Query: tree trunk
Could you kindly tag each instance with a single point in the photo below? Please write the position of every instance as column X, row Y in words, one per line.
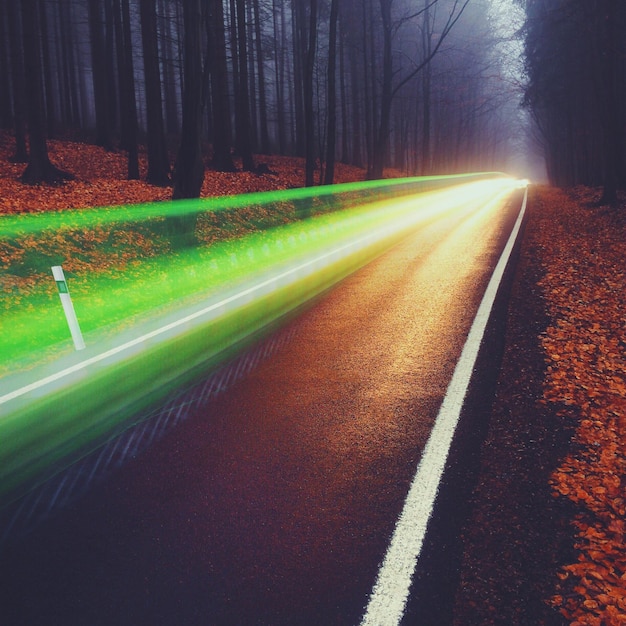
column 99, row 75
column 17, row 72
column 244, row 137
column 39, row 168
column 252, row 78
column 367, row 79
column 357, row 151
column 344, row 100
column 189, row 169
column 111, row 79
column 265, row 137
column 309, row 119
column 158, row 160
column 121, row 71
column 279, row 75
column 71, row 99
column 128, row 104
column 610, row 120
column 298, row 27
column 6, row 116
column 47, row 70
column 386, row 96
column 218, row 69
column 329, row 176
column 64, row 115
column 169, row 75
column 426, row 97
column 222, row 133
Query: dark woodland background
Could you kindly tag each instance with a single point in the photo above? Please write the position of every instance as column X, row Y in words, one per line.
column 424, row 86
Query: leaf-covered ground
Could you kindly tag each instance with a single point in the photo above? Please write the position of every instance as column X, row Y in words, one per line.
column 101, row 179
column 546, row 541
column 585, row 347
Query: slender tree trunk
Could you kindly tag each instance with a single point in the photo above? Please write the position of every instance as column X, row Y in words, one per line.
column 128, row 104
column 386, row 96
column 111, row 79
column 172, row 124
column 244, row 136
column 39, row 168
column 611, row 122
column 252, row 78
column 426, row 96
column 357, row 150
column 158, row 160
column 309, row 113
column 279, row 77
column 344, row 100
column 47, row 71
column 6, row 116
column 222, row 127
column 264, row 132
column 332, row 95
column 367, row 77
column 71, row 80
column 63, row 87
column 19, row 94
column 189, row 169
column 289, row 84
column 121, row 72
column 99, row 75
column 130, row 99
column 298, row 22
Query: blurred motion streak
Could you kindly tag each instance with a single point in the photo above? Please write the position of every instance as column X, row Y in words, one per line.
column 179, row 302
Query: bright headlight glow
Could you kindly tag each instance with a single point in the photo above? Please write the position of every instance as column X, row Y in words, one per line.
column 168, row 319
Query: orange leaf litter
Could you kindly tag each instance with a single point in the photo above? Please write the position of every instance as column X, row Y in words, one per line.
column 584, row 253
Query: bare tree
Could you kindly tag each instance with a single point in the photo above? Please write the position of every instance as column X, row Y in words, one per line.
column 189, row 169
column 6, row 114
column 242, row 104
column 218, row 69
column 158, row 159
column 39, row 168
column 332, row 94
column 391, row 87
column 264, row 131
column 126, row 77
column 100, row 74
column 14, row 28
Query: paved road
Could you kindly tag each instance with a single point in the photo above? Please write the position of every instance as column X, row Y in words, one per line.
column 275, row 503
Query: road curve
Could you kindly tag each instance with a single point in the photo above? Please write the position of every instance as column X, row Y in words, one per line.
column 275, row 503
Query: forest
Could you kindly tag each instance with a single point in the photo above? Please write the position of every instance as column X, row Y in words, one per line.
column 576, row 89
column 422, row 86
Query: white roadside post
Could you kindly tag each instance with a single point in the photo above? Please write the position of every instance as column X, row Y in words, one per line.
column 68, row 307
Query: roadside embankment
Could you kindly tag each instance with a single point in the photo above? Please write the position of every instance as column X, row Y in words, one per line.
column 545, row 541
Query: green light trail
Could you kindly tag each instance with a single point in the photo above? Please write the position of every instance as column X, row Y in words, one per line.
column 159, row 322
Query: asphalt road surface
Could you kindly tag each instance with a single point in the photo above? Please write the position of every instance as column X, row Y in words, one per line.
column 274, row 504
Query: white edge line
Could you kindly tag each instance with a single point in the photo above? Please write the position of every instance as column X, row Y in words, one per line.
column 184, row 320
column 389, row 596
column 159, row 331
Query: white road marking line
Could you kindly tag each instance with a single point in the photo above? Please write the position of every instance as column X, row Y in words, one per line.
column 159, row 331
column 389, row 596
column 332, row 255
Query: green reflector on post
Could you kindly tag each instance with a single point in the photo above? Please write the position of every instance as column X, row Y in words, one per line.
column 62, row 286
